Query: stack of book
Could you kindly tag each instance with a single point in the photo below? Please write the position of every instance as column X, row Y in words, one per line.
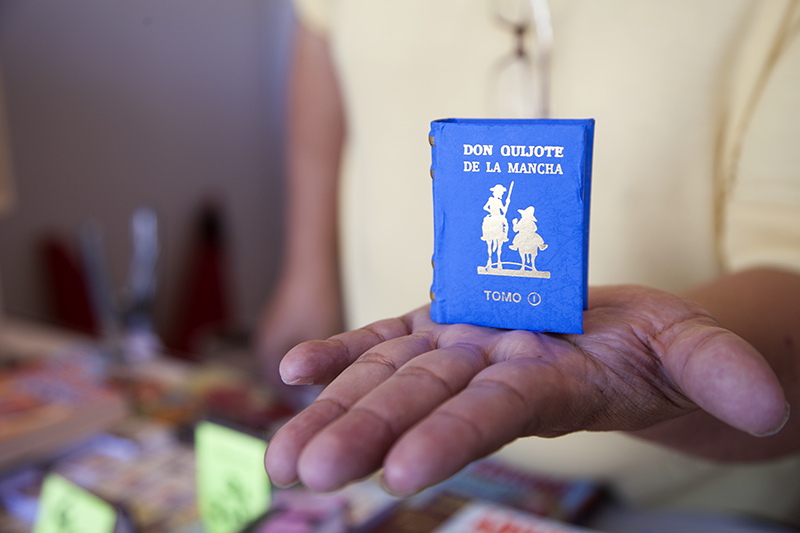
column 49, row 404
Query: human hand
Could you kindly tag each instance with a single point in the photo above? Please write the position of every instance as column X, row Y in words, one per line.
column 422, row 400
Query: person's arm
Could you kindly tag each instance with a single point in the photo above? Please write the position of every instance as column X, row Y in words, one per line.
column 422, row 400
column 306, row 304
column 763, row 307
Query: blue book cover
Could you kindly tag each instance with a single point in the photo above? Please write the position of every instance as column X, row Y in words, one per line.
column 511, row 222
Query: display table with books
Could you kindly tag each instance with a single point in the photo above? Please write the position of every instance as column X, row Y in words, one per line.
column 125, row 436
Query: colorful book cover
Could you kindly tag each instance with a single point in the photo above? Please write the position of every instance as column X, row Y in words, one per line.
column 494, row 481
column 480, row 517
column 511, row 222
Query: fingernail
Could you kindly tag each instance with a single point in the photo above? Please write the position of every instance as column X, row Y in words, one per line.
column 298, row 381
column 287, row 485
column 388, row 490
column 780, row 426
column 385, row 486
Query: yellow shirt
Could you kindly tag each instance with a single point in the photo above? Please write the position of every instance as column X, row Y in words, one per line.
column 696, row 170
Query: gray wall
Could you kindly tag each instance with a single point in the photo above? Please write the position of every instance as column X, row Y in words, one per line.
column 112, row 105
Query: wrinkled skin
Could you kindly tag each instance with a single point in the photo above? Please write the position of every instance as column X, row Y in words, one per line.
column 422, row 400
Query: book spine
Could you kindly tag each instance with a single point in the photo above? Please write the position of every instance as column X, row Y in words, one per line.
column 436, row 304
column 587, row 194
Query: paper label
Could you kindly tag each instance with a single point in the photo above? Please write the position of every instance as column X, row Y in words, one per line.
column 232, row 486
column 66, row 508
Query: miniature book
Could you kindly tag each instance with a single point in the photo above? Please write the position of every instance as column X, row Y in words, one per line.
column 511, row 222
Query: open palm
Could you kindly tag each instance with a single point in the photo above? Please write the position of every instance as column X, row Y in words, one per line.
column 422, row 399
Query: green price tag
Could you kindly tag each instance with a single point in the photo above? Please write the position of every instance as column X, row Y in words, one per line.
column 232, row 486
column 66, row 508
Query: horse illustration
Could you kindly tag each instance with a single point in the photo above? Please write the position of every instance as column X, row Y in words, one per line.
column 527, row 241
column 495, row 226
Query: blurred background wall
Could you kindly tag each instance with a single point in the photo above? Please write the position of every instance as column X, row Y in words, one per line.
column 114, row 105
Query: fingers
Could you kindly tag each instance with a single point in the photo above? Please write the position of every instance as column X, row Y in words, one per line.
column 445, row 409
column 372, row 368
column 523, row 396
column 318, row 362
column 284, row 448
column 354, row 445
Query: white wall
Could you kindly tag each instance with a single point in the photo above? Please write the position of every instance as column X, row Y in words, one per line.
column 116, row 104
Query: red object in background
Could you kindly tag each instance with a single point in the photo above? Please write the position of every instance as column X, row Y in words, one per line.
column 68, row 291
column 204, row 305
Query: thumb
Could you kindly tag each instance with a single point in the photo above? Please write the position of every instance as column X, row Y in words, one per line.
column 726, row 377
